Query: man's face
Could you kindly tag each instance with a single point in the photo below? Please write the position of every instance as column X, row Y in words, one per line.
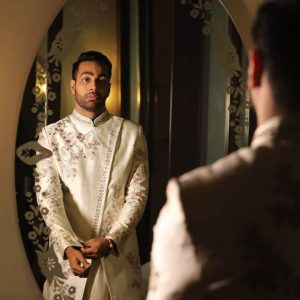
column 91, row 87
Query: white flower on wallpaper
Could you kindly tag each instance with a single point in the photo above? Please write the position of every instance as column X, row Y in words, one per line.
column 227, row 55
column 32, row 152
column 48, row 262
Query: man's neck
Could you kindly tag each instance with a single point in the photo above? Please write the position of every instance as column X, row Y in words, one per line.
column 89, row 114
column 265, row 105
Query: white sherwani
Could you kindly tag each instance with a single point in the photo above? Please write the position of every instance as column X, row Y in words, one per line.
column 93, row 183
column 232, row 230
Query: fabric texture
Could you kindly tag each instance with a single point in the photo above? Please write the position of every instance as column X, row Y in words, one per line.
column 94, row 184
column 231, row 230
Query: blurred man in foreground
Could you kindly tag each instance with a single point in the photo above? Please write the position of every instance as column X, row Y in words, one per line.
column 231, row 230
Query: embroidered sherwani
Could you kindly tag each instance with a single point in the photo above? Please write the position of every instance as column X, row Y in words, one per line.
column 92, row 184
column 231, row 230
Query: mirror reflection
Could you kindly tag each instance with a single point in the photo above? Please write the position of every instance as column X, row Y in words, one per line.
column 178, row 70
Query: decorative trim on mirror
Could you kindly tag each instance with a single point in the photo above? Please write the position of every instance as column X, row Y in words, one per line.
column 226, row 53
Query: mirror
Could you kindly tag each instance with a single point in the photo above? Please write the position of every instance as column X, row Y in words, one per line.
column 187, row 70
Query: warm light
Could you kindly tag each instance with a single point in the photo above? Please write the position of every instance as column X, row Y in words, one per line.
column 138, row 95
column 43, row 88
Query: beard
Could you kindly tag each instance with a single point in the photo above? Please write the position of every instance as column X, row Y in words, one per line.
column 94, row 105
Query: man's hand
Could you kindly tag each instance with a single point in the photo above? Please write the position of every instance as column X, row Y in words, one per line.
column 96, row 248
column 79, row 266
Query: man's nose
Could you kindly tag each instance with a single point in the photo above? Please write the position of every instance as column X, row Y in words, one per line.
column 93, row 85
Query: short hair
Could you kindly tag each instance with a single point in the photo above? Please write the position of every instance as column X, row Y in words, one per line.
column 96, row 56
column 276, row 37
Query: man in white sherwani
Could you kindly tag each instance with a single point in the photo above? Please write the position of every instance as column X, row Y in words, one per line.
column 92, row 191
column 231, row 230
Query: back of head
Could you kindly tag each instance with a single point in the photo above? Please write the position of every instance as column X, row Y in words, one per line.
column 96, row 56
column 276, row 37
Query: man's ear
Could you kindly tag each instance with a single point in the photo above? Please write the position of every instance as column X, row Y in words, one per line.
column 254, row 69
column 72, row 86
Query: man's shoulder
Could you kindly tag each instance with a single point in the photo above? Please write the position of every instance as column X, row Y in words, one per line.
column 224, row 172
column 62, row 123
column 207, row 191
column 128, row 125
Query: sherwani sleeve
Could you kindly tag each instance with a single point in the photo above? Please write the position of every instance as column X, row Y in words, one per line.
column 50, row 199
column 173, row 257
column 136, row 193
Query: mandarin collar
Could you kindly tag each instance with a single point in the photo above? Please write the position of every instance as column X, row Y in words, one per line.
column 88, row 122
column 277, row 128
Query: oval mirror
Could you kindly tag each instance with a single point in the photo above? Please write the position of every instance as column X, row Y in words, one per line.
column 179, row 69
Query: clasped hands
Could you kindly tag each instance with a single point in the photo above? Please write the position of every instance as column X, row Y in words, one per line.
column 94, row 248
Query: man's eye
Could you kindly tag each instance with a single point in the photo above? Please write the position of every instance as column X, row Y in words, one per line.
column 86, row 79
column 103, row 81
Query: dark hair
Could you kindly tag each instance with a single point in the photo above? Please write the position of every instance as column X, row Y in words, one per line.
column 96, row 56
column 276, row 37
